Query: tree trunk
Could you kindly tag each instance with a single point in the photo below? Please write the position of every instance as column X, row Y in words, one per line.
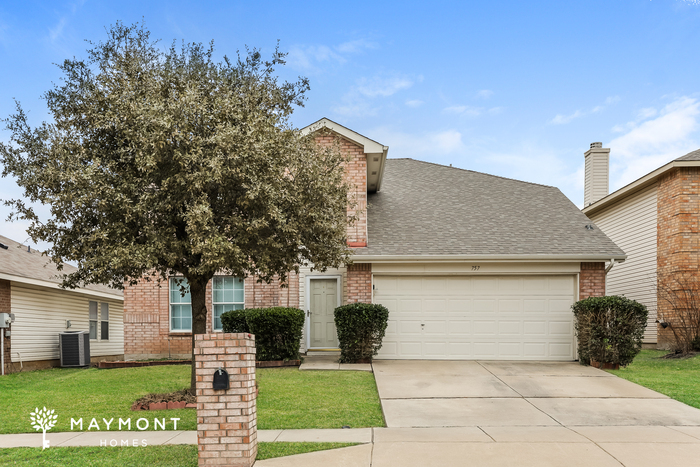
column 198, row 295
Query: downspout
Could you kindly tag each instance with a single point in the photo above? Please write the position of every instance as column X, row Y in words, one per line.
column 612, row 263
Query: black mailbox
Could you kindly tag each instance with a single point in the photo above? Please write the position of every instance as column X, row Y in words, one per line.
column 220, row 379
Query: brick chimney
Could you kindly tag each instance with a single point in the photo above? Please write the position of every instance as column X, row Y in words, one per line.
column 595, row 184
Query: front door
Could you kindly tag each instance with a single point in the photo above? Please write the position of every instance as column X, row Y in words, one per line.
column 324, row 299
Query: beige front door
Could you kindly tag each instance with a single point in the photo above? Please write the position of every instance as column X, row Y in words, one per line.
column 324, row 300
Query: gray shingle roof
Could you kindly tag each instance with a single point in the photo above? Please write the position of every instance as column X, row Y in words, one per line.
column 429, row 209
column 691, row 156
column 17, row 261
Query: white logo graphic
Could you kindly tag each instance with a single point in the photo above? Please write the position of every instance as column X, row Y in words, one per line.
column 43, row 420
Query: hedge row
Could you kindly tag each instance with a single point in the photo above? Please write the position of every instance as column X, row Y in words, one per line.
column 277, row 330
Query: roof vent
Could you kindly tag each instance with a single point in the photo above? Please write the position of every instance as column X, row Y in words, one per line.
column 589, row 226
column 596, row 145
column 3, row 246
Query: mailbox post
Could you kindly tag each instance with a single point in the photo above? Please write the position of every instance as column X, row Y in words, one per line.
column 226, row 411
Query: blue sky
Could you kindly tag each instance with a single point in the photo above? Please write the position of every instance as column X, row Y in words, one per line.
column 512, row 88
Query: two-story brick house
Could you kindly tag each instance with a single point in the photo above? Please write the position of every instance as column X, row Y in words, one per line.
column 656, row 220
column 470, row 265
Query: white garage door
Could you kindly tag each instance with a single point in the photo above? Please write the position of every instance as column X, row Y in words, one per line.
column 477, row 317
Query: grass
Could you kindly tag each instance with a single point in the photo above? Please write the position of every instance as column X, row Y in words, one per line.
column 162, row 456
column 288, row 398
column 676, row 378
column 291, row 399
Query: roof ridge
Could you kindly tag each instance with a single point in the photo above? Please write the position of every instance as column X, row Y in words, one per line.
column 471, row 171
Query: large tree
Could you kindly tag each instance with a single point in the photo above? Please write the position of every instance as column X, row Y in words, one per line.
column 161, row 162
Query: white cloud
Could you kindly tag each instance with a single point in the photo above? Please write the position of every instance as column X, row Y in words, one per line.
column 484, row 94
column 382, row 86
column 650, row 143
column 561, row 119
column 359, row 101
column 424, row 146
column 414, row 103
column 466, row 110
column 57, row 31
column 310, row 57
column 356, row 46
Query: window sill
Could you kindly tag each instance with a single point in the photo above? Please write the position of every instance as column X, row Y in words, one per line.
column 180, row 333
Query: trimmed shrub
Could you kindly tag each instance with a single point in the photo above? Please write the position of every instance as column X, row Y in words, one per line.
column 361, row 328
column 234, row 321
column 609, row 329
column 277, row 330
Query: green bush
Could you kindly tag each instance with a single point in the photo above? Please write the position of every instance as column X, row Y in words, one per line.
column 234, row 321
column 361, row 328
column 277, row 330
column 609, row 329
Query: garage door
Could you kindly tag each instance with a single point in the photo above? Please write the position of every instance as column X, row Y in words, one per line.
column 477, row 317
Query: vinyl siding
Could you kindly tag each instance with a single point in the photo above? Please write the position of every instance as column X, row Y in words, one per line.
column 596, row 177
column 41, row 313
column 632, row 225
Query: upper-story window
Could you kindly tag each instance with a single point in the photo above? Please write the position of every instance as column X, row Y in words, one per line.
column 228, row 295
column 180, row 306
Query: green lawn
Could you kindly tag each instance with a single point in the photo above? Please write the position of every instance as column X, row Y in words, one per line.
column 288, row 398
column 677, row 378
column 162, row 456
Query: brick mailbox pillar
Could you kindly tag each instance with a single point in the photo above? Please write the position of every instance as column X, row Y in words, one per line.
column 226, row 418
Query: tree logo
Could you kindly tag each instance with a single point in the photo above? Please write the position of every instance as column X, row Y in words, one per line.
column 43, row 420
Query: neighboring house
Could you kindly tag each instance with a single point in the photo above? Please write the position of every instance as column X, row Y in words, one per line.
column 29, row 288
column 655, row 219
column 469, row 265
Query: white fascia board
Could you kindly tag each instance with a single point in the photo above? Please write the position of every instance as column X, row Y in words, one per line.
column 484, row 258
column 53, row 285
column 636, row 185
column 369, row 145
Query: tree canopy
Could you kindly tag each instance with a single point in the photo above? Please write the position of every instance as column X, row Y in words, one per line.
column 164, row 161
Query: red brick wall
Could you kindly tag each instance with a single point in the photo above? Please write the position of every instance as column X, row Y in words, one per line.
column 147, row 315
column 356, row 171
column 5, row 307
column 359, row 283
column 591, row 280
column 678, row 234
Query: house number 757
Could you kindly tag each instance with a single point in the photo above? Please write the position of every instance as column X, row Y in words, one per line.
column 476, row 268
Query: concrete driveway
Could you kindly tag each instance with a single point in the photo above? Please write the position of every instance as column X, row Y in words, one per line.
column 442, row 413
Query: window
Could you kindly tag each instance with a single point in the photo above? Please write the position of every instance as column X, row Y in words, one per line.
column 99, row 321
column 93, row 320
column 104, row 323
column 228, row 295
column 180, row 306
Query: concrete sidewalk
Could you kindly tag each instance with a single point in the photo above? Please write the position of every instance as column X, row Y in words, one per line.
column 152, row 438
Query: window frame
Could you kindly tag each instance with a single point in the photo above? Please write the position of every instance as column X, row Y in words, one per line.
column 215, row 303
column 103, row 321
column 171, row 280
column 96, row 320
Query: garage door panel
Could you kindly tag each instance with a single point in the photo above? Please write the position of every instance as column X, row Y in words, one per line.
column 535, row 305
column 478, row 317
column 485, row 328
column 459, row 328
column 535, row 328
column 456, row 305
column 535, row 350
column 411, row 349
column 509, row 350
column 435, row 328
column 433, row 305
column 484, row 305
column 509, row 328
column 511, row 305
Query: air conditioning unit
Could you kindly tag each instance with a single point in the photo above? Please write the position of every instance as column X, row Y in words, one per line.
column 74, row 348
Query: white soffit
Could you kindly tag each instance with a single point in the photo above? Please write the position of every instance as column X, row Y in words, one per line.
column 376, row 153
